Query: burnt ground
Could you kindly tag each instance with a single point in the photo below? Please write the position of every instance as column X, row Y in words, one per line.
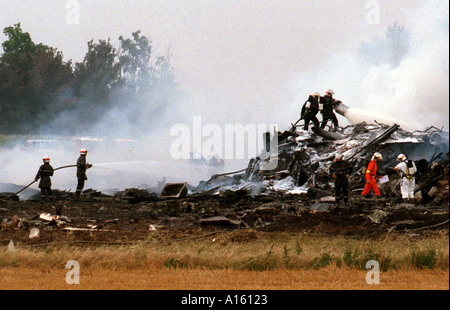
column 116, row 220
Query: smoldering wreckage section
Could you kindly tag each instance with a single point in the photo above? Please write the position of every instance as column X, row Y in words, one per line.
column 298, row 195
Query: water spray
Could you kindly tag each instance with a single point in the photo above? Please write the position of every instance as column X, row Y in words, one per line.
column 356, row 116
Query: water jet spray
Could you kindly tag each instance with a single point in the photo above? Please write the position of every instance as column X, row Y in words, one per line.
column 356, row 116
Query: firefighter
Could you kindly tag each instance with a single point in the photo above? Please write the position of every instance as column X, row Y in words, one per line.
column 340, row 171
column 81, row 171
column 44, row 173
column 372, row 176
column 326, row 107
column 406, row 170
column 310, row 109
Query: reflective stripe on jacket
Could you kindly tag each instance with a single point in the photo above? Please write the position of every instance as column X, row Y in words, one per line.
column 371, row 171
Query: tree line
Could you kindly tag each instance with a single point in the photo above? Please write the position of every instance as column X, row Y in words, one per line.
column 39, row 90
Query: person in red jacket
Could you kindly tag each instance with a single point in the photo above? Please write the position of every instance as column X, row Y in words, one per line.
column 372, row 175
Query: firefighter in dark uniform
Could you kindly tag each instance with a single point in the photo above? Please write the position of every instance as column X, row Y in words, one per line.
column 44, row 173
column 328, row 103
column 309, row 110
column 81, row 171
column 340, row 171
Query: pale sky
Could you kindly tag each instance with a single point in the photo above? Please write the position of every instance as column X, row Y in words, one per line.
column 239, row 60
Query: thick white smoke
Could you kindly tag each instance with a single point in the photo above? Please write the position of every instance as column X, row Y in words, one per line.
column 413, row 94
column 416, row 93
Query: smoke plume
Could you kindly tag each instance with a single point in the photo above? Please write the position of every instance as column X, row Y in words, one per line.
column 399, row 79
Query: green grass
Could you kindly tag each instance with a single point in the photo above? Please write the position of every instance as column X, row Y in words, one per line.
column 269, row 251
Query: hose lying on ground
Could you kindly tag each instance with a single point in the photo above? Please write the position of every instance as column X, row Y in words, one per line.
column 9, row 197
column 432, row 226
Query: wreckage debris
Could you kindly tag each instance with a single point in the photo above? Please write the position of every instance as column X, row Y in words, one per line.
column 304, row 159
column 378, row 215
column 90, row 229
column 9, row 196
column 219, row 220
column 59, row 220
column 300, row 190
column 321, row 206
column 34, row 233
column 135, row 195
column 174, row 190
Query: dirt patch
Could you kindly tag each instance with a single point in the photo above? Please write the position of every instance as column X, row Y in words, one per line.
column 100, row 221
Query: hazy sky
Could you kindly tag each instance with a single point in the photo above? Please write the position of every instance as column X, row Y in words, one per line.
column 254, row 60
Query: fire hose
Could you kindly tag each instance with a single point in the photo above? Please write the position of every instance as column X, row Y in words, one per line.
column 9, row 197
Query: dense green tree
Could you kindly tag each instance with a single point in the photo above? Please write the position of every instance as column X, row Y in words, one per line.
column 39, row 91
column 31, row 76
column 50, row 77
column 19, row 42
column 99, row 71
column 135, row 58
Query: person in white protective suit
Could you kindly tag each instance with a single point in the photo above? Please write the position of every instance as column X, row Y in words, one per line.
column 406, row 170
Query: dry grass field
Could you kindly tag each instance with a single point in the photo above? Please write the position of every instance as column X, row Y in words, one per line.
column 239, row 260
column 327, row 278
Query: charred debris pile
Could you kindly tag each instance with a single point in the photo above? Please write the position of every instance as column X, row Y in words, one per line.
column 296, row 195
column 303, row 159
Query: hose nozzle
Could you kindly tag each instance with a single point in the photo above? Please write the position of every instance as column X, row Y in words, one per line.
column 341, row 108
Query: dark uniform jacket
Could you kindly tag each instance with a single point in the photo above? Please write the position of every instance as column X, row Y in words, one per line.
column 81, row 167
column 328, row 104
column 313, row 109
column 45, row 172
column 341, row 168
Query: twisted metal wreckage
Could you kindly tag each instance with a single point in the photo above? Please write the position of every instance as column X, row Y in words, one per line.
column 303, row 160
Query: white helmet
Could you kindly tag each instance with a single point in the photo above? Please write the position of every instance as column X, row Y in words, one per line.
column 401, row 157
column 316, row 94
column 83, row 151
column 377, row 156
column 330, row 91
column 46, row 159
